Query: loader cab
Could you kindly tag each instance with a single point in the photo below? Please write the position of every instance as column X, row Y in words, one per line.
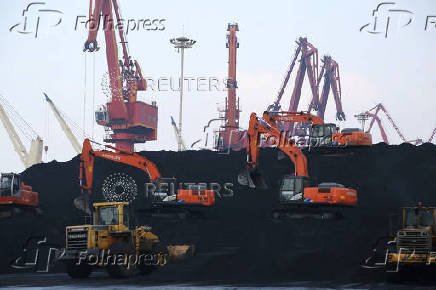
column 9, row 184
column 292, row 188
column 419, row 217
column 114, row 214
column 321, row 134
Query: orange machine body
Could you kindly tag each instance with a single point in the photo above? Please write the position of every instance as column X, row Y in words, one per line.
column 204, row 197
column 25, row 197
column 352, row 138
column 331, row 195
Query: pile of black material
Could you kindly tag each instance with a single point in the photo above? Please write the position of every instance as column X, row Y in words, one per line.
column 240, row 241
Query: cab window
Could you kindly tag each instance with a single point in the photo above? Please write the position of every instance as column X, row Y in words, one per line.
column 108, row 216
column 419, row 217
column 5, row 186
column 317, row 131
column 126, row 221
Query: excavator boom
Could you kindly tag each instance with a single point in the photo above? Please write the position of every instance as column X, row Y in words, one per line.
column 67, row 130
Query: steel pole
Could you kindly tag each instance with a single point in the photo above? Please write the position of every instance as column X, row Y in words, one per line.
column 181, row 98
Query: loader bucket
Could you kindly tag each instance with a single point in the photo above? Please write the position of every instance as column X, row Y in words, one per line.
column 82, row 203
column 252, row 178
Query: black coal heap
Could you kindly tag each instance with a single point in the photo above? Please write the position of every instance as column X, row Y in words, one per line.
column 240, row 242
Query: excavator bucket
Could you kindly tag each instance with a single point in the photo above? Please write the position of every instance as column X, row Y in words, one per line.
column 252, row 178
column 82, row 203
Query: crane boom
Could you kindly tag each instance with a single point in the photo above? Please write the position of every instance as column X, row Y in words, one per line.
column 432, row 136
column 178, row 136
column 34, row 155
column 308, row 65
column 276, row 105
column 373, row 113
column 330, row 72
column 73, row 140
column 230, row 135
column 16, row 141
column 380, row 126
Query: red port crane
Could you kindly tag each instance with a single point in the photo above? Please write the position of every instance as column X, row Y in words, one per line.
column 230, row 136
column 330, row 72
column 373, row 114
column 127, row 120
column 308, row 64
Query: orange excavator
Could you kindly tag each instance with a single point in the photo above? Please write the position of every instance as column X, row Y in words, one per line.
column 328, row 134
column 295, row 189
column 16, row 197
column 325, row 134
column 120, row 186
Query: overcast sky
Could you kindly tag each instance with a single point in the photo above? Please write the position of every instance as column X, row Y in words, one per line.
column 397, row 70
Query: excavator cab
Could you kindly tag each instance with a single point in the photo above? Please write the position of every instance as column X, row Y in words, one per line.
column 321, row 134
column 9, row 184
column 292, row 188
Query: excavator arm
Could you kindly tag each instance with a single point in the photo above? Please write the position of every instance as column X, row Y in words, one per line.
column 133, row 159
column 267, row 127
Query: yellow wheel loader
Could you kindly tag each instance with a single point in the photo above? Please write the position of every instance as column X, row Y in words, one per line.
column 111, row 242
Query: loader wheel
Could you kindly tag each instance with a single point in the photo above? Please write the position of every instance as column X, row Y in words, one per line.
column 78, row 271
column 119, row 268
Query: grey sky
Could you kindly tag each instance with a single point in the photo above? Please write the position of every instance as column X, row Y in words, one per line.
column 397, row 71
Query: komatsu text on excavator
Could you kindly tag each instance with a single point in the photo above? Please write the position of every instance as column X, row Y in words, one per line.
column 295, row 188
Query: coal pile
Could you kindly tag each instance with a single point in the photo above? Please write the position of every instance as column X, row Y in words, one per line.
column 239, row 241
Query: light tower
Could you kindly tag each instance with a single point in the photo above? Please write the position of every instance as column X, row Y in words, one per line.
column 362, row 118
column 181, row 43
